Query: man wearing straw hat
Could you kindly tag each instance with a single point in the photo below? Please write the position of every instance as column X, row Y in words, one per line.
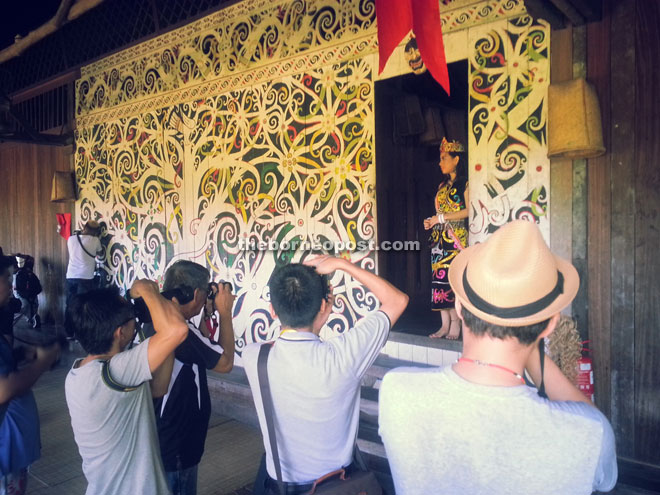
column 475, row 426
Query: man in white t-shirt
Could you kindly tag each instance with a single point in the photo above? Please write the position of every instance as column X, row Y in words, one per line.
column 475, row 427
column 315, row 384
column 109, row 392
column 83, row 249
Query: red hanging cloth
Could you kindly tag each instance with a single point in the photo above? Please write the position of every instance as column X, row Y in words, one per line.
column 397, row 17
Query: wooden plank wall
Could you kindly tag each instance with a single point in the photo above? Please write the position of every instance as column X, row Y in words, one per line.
column 622, row 203
column 561, row 169
column 624, row 225
column 646, row 242
column 599, row 218
column 28, row 223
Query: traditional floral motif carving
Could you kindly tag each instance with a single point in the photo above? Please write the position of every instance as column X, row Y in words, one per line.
column 290, row 161
column 509, row 75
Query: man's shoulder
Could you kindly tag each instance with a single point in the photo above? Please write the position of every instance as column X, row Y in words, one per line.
column 130, row 362
column 579, row 412
column 376, row 322
column 407, row 376
column 251, row 352
column 404, row 371
column 81, row 377
column 92, row 240
column 377, row 317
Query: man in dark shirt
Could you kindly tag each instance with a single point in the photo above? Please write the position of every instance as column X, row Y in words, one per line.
column 183, row 414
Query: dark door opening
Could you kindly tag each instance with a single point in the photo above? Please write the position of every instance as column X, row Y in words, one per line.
column 413, row 114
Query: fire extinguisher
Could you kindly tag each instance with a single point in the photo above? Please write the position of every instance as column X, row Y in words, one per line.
column 585, row 375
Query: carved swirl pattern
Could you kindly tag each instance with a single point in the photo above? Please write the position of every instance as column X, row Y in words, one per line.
column 246, row 43
column 243, row 37
column 509, row 168
column 290, row 161
column 488, row 11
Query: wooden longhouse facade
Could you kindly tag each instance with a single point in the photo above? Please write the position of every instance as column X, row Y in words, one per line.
column 201, row 130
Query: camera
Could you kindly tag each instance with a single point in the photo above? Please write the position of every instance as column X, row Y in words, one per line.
column 213, row 288
column 183, row 294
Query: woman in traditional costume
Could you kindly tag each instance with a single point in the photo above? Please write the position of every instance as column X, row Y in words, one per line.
column 449, row 234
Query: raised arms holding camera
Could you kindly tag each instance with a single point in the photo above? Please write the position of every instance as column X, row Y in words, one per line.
column 223, row 301
column 393, row 302
column 171, row 329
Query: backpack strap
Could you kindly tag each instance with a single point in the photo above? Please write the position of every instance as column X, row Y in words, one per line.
column 541, row 389
column 83, row 247
column 110, row 382
column 267, row 402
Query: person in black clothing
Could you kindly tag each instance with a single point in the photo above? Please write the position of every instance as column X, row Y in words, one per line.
column 182, row 415
column 11, row 306
column 28, row 287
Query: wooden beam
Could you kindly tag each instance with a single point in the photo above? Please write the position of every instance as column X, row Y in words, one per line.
column 42, row 87
column 561, row 169
column 599, row 226
column 646, row 240
column 65, row 12
column 571, row 13
column 580, row 304
column 544, row 9
column 591, row 10
column 623, row 155
column 42, row 139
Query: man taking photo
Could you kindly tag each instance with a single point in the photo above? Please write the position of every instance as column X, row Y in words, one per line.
column 475, row 426
column 109, row 392
column 183, row 413
column 315, row 384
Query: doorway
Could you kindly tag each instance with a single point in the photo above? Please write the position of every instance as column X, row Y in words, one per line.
column 413, row 113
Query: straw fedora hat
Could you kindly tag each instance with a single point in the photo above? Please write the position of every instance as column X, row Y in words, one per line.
column 513, row 279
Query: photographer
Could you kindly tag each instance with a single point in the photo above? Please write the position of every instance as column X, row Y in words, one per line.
column 475, row 426
column 83, row 249
column 28, row 286
column 315, row 384
column 109, row 394
column 183, row 414
column 19, row 418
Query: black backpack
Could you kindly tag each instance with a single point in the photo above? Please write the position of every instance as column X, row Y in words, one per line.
column 28, row 285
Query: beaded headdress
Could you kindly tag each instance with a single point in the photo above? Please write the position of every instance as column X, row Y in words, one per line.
column 451, row 146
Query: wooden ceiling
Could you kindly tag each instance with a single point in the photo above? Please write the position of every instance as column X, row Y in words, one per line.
column 560, row 13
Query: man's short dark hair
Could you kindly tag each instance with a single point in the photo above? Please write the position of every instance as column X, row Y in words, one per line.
column 296, row 292
column 92, row 228
column 94, row 316
column 184, row 273
column 526, row 334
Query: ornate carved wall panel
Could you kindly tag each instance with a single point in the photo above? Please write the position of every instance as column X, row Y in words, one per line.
column 289, row 160
column 256, row 124
column 509, row 169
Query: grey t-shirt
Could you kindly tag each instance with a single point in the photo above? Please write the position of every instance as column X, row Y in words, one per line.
column 115, row 430
column 446, row 435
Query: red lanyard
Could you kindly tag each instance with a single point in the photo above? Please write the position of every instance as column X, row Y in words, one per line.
column 482, row 363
